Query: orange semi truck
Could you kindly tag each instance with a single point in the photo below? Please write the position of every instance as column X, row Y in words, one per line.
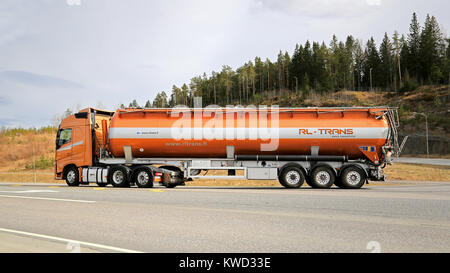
column 345, row 147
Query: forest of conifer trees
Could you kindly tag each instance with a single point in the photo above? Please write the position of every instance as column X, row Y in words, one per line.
column 400, row 63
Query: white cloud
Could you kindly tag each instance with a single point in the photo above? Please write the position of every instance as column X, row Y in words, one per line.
column 333, row 8
column 373, row 2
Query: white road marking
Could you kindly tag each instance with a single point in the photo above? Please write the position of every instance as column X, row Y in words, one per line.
column 29, row 191
column 50, row 199
column 112, row 248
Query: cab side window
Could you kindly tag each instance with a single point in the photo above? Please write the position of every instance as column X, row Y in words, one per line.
column 64, row 136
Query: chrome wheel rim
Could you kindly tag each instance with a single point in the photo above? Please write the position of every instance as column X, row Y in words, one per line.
column 323, row 177
column 143, row 177
column 118, row 177
column 71, row 176
column 293, row 177
column 353, row 177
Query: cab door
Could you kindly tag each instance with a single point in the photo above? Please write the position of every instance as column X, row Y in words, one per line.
column 80, row 144
column 64, row 143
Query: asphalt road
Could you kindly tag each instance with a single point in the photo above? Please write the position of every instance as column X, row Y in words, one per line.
column 427, row 161
column 396, row 217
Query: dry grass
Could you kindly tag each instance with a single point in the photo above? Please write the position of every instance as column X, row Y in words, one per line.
column 416, row 172
column 41, row 177
column 18, row 149
column 346, row 98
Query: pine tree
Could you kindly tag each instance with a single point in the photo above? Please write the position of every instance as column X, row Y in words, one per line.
column 259, row 69
column 446, row 63
column 386, row 62
column 286, row 64
column 334, row 61
column 404, row 57
column 414, row 47
column 280, row 71
column 372, row 65
column 349, row 62
column 176, row 97
column 133, row 104
column 360, row 59
column 296, row 65
column 160, row 100
column 396, row 49
column 305, row 85
column 185, row 94
column 431, row 51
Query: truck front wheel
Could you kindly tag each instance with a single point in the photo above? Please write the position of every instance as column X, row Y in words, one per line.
column 72, row 177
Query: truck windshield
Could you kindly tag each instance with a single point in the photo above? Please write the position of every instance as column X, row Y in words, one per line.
column 64, row 136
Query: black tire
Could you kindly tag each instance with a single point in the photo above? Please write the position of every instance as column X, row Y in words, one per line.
column 118, row 177
column 308, row 180
column 338, row 183
column 353, row 178
column 72, row 177
column 322, row 178
column 143, row 178
column 291, row 177
column 171, row 186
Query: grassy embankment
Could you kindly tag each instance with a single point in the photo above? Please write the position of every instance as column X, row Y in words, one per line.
column 22, row 151
column 432, row 100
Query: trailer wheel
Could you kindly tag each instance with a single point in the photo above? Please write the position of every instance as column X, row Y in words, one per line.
column 291, row 177
column 353, row 178
column 72, row 176
column 143, row 178
column 322, row 178
column 118, row 177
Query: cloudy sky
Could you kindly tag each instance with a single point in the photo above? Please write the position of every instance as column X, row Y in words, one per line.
column 59, row 54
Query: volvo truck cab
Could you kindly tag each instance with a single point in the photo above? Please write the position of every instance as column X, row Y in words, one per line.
column 78, row 143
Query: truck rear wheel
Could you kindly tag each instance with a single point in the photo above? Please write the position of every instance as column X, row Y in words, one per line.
column 338, row 183
column 72, row 177
column 322, row 178
column 352, row 178
column 291, row 177
column 143, row 178
column 118, row 177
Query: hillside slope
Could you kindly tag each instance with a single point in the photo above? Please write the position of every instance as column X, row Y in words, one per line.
column 431, row 100
column 23, row 149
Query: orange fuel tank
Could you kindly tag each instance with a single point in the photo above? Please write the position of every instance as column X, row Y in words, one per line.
column 206, row 133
